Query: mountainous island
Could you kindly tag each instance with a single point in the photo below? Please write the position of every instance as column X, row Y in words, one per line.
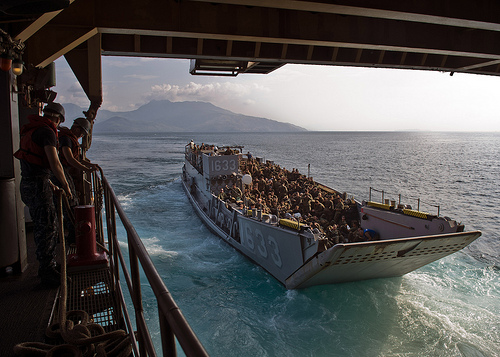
column 167, row 116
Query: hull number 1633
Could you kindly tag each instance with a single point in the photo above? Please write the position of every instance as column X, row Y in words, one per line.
column 266, row 247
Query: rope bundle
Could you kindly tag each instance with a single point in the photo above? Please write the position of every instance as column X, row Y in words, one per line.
column 84, row 339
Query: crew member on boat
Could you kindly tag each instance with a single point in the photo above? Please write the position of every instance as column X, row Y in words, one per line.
column 283, row 193
column 222, row 195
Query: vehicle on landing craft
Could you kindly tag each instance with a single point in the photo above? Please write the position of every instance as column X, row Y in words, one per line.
column 386, row 239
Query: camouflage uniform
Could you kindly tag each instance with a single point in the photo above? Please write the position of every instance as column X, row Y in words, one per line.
column 235, row 193
column 73, row 202
column 36, row 193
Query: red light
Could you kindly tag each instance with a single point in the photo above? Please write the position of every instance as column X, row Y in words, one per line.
column 5, row 63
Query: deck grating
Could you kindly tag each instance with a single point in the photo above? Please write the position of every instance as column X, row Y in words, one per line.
column 90, row 291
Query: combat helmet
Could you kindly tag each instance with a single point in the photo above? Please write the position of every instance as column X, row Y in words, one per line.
column 55, row 108
column 83, row 123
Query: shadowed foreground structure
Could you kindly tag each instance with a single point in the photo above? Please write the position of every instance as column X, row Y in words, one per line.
column 25, row 305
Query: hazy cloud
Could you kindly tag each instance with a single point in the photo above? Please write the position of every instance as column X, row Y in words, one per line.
column 120, row 62
column 143, row 77
column 73, row 94
column 217, row 92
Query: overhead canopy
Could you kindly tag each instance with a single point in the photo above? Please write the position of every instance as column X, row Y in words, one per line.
column 259, row 36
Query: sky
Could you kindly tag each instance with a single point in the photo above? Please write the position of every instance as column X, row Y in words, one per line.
column 317, row 98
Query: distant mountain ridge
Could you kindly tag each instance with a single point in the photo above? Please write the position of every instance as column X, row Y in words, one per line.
column 167, row 116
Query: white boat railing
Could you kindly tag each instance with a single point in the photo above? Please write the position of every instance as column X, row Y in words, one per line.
column 400, row 197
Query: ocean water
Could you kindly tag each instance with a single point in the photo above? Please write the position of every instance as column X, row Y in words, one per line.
column 448, row 308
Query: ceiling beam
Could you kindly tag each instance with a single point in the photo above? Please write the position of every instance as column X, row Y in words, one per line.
column 85, row 62
column 59, row 41
column 303, row 42
column 448, row 35
column 328, row 8
column 342, row 26
column 36, row 25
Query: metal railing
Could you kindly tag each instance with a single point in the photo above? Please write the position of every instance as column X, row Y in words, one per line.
column 400, row 197
column 173, row 325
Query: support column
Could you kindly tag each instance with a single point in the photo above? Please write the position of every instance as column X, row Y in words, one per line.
column 13, row 251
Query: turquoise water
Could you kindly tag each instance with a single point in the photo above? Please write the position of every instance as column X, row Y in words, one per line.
column 448, row 308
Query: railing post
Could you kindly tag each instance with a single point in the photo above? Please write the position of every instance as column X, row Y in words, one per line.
column 136, row 294
column 113, row 242
column 174, row 326
column 167, row 336
column 111, row 230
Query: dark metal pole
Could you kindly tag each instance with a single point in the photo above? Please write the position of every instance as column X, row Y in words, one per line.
column 167, row 336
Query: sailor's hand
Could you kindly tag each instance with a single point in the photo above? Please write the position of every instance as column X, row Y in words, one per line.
column 67, row 191
column 92, row 167
column 54, row 187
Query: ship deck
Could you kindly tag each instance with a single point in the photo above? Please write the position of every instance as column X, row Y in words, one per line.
column 27, row 308
column 25, row 305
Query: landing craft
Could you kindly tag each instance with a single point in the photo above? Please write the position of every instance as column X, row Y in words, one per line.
column 391, row 240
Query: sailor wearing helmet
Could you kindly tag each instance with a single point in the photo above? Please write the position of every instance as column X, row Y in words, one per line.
column 39, row 159
column 69, row 155
column 69, row 148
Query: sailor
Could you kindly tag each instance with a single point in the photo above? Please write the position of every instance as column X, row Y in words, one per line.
column 282, row 189
column 69, row 155
column 317, row 207
column 262, row 205
column 305, row 204
column 38, row 155
column 371, row 235
column 69, row 148
column 261, row 184
column 222, row 195
column 236, row 193
column 339, row 210
column 333, row 234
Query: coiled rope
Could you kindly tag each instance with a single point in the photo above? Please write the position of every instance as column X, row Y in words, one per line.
column 81, row 339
